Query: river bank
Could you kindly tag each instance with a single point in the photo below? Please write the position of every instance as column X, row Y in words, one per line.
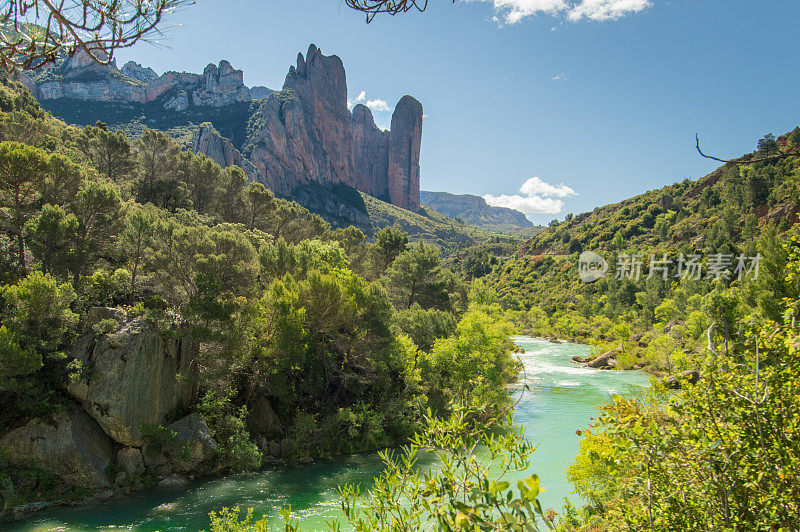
column 561, row 400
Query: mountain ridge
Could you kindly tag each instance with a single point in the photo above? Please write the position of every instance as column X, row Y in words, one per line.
column 302, row 134
column 475, row 211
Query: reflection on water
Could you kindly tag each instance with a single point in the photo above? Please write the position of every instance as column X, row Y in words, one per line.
column 562, row 399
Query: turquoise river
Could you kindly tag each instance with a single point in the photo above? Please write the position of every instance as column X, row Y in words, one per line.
column 563, row 398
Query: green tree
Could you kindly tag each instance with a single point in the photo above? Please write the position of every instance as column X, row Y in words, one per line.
column 425, row 326
column 140, row 226
column 98, row 208
column 416, row 276
column 51, row 236
column 62, row 181
column 110, row 151
column 768, row 144
column 260, row 202
column 156, row 152
column 389, row 243
column 38, row 312
column 22, row 171
column 231, row 203
column 15, row 360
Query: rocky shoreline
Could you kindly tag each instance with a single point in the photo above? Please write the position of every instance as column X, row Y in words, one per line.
column 126, row 421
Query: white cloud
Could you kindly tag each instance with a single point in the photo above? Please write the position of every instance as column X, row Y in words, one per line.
column 538, row 197
column 528, row 205
column 375, row 105
column 535, row 186
column 559, row 77
column 513, row 11
column 606, row 9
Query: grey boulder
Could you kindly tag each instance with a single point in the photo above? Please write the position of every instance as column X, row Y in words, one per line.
column 133, row 378
column 70, row 445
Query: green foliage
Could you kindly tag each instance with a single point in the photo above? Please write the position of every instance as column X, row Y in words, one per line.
column 15, row 360
column 228, row 520
column 425, row 326
column 730, row 436
column 38, row 311
column 416, row 276
column 227, row 424
column 389, row 243
column 461, row 494
column 22, row 171
column 473, row 365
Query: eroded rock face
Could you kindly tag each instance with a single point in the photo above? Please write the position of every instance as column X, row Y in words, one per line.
column 370, row 154
column 320, row 83
column 305, row 133
column 70, row 445
column 405, row 140
column 133, row 378
column 80, row 78
column 137, row 71
column 193, row 433
column 213, row 145
column 221, row 85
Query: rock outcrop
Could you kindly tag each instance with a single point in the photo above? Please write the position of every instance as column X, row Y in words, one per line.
column 70, row 445
column 405, row 140
column 208, row 141
column 220, row 86
column 133, row 378
column 607, row 360
column 80, row 78
column 194, row 438
column 305, row 133
column 301, row 135
column 136, row 71
column 370, row 154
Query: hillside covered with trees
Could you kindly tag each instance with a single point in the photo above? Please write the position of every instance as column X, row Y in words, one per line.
column 203, row 324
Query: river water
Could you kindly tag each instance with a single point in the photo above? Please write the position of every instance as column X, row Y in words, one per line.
column 563, row 398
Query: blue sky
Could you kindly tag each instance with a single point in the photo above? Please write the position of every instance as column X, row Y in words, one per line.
column 601, row 96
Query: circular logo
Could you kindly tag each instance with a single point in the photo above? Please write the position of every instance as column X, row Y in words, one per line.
column 591, row 267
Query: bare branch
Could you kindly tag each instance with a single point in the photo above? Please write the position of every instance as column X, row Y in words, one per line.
column 745, row 159
column 34, row 33
column 391, row 7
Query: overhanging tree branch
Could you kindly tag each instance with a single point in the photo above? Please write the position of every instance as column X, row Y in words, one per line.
column 391, row 7
column 745, row 159
column 34, row 33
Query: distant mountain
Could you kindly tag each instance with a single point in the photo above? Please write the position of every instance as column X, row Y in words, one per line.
column 475, row 211
column 299, row 136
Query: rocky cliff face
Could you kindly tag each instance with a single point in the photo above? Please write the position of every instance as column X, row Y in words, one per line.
column 208, row 141
column 405, row 139
column 137, row 377
column 305, row 133
column 80, row 78
column 133, row 380
column 302, row 135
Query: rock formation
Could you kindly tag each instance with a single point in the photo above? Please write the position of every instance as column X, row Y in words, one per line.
column 405, row 139
column 208, row 141
column 80, row 78
column 302, row 135
column 370, row 154
column 70, row 445
column 136, row 376
column 305, row 133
